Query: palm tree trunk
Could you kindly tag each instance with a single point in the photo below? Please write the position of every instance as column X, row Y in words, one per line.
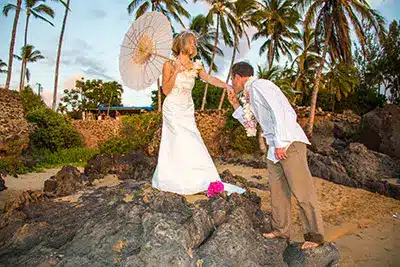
column 203, row 103
column 318, row 75
column 59, row 56
column 159, row 91
column 23, row 65
column 221, row 101
column 159, row 97
column 270, row 55
column 12, row 44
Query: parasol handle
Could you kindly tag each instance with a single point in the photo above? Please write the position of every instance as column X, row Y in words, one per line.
column 162, row 56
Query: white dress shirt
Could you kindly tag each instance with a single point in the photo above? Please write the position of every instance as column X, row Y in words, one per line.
column 275, row 115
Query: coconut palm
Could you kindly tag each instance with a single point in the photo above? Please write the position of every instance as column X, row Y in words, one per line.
column 40, row 11
column 242, row 14
column 205, row 40
column 331, row 20
column 220, row 10
column 307, row 59
column 3, row 65
column 170, row 8
column 30, row 55
column 60, row 42
column 17, row 9
column 340, row 81
column 279, row 28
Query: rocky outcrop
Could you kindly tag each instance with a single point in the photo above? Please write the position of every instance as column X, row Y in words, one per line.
column 380, row 130
column 356, row 166
column 66, row 182
column 14, row 129
column 134, row 165
column 134, row 225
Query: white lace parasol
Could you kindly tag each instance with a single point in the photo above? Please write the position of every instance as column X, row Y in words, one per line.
column 145, row 48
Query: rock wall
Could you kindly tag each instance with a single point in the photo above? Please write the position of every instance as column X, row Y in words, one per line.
column 210, row 124
column 95, row 132
column 14, row 129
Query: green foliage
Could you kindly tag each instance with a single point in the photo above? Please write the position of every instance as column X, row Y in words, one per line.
column 90, row 94
column 13, row 165
column 30, row 100
column 341, row 80
column 77, row 156
column 45, row 159
column 239, row 141
column 54, row 132
column 137, row 130
column 117, row 145
column 390, row 62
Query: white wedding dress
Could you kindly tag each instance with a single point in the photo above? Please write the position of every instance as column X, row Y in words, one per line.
column 184, row 164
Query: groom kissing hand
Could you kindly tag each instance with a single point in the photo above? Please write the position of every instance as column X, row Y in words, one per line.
column 288, row 170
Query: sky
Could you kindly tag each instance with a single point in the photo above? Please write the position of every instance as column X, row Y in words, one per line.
column 94, row 32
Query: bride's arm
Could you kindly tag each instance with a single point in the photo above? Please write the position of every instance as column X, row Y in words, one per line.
column 212, row 80
column 169, row 74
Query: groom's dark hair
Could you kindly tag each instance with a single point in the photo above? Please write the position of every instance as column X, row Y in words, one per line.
column 242, row 69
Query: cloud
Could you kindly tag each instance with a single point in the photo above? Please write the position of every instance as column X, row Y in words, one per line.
column 47, row 96
column 77, row 57
column 98, row 14
column 69, row 82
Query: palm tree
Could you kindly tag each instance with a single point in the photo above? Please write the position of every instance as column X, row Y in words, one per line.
column 17, row 9
column 340, row 81
column 30, row 55
column 66, row 5
column 2, row 65
column 170, row 8
column 205, row 40
column 307, row 59
column 280, row 77
column 220, row 9
column 241, row 16
column 332, row 19
column 279, row 28
column 269, row 73
column 36, row 9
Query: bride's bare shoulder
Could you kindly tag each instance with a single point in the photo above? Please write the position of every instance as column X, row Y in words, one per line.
column 168, row 65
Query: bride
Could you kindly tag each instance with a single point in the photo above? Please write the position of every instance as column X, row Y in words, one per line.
column 184, row 164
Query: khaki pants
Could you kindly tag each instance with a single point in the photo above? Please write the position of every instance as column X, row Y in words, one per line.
column 292, row 176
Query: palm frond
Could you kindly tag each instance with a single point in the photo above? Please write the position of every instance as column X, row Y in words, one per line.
column 7, row 8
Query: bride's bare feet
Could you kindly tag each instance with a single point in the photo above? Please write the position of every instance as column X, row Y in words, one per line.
column 269, row 235
column 309, row 244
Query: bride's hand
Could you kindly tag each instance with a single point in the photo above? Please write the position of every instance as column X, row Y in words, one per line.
column 178, row 67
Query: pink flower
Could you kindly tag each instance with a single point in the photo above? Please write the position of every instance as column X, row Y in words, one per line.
column 215, row 188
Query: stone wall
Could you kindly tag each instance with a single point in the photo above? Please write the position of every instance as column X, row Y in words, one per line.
column 14, row 129
column 210, row 124
column 95, row 132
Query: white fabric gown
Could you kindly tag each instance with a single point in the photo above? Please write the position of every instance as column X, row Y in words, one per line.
column 184, row 164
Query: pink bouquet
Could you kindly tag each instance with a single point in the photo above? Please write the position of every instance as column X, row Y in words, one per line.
column 215, row 188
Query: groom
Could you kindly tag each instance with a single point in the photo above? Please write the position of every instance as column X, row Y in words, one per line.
column 287, row 160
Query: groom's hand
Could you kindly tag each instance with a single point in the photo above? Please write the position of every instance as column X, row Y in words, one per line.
column 232, row 97
column 280, row 153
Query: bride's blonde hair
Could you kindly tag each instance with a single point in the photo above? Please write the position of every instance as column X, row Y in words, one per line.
column 181, row 42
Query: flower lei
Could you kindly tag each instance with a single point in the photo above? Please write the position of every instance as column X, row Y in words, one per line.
column 250, row 122
column 195, row 69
